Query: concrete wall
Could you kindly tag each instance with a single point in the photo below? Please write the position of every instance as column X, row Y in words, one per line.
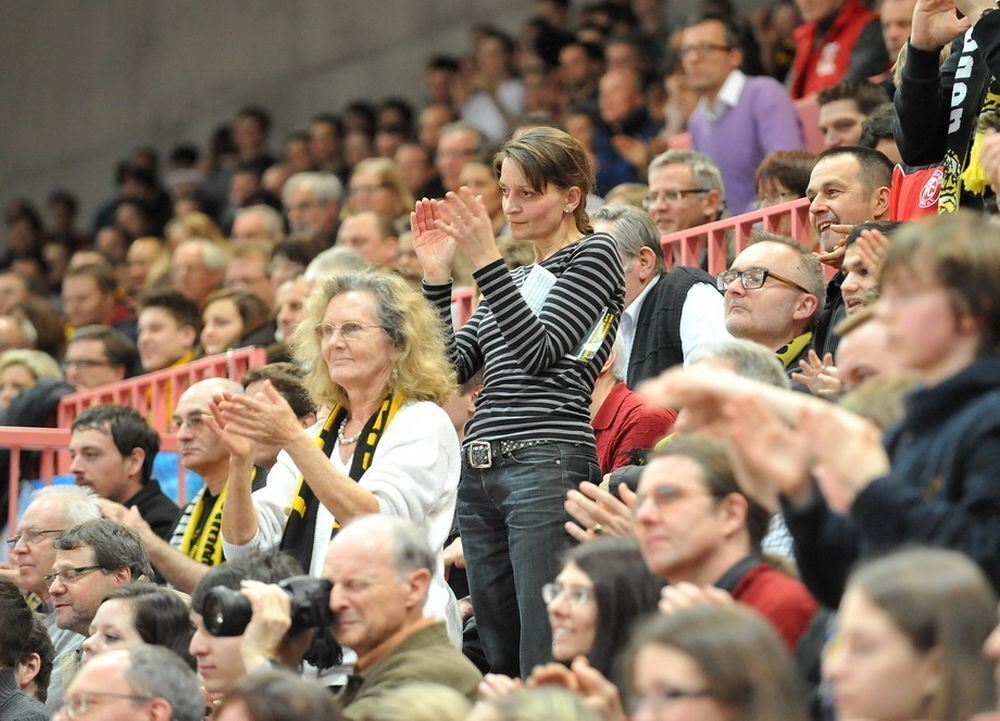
column 85, row 81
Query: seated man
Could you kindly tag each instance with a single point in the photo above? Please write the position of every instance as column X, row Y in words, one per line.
column 195, row 542
column 97, row 355
column 137, row 684
column 625, row 129
column 772, row 296
column 91, row 559
column 668, row 315
column 696, row 526
column 168, row 330
column 90, row 296
column 224, row 660
column 372, row 236
column 843, row 109
column 197, row 268
column 112, row 449
column 34, row 672
column 15, row 619
column 52, row 510
column 381, row 568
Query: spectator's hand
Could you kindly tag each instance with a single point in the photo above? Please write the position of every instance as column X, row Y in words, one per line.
column 678, row 596
column 633, row 150
column 464, row 217
column 552, row 674
column 128, row 517
column 496, row 685
column 700, row 391
column 434, row 248
column 935, row 24
column 821, row 377
column 271, row 619
column 856, row 458
column 768, row 456
column 598, row 513
column 835, row 258
column 990, row 158
column 600, row 694
column 9, row 572
column 240, row 448
column 872, row 246
column 465, row 608
column 264, row 418
column 453, row 555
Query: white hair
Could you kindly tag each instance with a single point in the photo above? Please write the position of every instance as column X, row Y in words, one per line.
column 326, row 187
column 332, row 262
column 80, row 503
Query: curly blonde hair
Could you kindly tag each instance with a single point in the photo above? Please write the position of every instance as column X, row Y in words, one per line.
column 419, row 368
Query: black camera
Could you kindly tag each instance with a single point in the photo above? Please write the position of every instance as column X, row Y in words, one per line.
column 227, row 612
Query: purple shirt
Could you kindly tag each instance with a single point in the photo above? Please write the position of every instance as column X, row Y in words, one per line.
column 762, row 120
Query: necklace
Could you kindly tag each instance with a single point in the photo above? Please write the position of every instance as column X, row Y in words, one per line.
column 346, row 440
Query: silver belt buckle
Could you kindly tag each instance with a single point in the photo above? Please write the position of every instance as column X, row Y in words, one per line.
column 480, row 454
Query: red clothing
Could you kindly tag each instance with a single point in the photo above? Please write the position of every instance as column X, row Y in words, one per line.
column 914, row 193
column 821, row 66
column 624, row 423
column 781, row 599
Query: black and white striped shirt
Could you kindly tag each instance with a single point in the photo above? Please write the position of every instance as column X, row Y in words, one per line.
column 535, row 387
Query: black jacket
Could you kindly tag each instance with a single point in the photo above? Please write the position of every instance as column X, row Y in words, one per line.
column 156, row 508
column 943, row 488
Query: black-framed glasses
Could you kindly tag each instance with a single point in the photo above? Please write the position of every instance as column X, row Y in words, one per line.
column 658, row 699
column 84, row 363
column 753, row 278
column 69, row 575
column 702, row 49
column 80, row 703
column 349, row 330
column 670, row 196
column 577, row 595
column 30, row 535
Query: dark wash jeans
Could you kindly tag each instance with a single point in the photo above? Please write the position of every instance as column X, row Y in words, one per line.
column 511, row 517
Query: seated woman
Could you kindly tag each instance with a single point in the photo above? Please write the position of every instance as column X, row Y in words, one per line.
column 20, row 370
column 233, row 319
column 911, row 629
column 140, row 613
column 711, row 663
column 376, row 353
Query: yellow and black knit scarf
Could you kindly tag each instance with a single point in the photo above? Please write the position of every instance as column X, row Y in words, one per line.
column 790, row 351
column 207, row 546
column 301, row 527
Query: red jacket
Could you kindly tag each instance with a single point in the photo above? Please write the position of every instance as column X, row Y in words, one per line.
column 625, row 422
column 781, row 599
column 818, row 67
column 914, row 192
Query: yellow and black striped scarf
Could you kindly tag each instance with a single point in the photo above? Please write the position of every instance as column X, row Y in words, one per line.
column 300, row 529
column 207, row 547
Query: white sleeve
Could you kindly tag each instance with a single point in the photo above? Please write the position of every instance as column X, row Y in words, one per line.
column 703, row 319
column 271, row 503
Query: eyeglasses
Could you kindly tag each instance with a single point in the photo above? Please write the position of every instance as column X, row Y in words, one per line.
column 670, row 196
column 658, row 699
column 578, row 595
column 69, row 575
column 663, row 496
column 83, row 363
column 702, row 49
column 30, row 535
column 753, row 278
column 80, row 704
column 349, row 330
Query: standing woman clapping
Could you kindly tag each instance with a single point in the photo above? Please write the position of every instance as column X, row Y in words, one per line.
column 541, row 334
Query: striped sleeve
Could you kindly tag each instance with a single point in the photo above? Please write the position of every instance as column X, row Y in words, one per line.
column 579, row 297
column 463, row 347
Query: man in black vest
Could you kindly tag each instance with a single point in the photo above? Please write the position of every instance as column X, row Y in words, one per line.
column 667, row 316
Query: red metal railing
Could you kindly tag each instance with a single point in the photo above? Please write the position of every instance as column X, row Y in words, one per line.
column 52, row 443
column 687, row 246
column 154, row 394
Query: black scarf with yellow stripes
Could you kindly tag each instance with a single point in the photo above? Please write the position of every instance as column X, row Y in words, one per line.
column 297, row 540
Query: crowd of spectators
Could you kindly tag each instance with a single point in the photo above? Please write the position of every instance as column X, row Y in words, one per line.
column 624, row 488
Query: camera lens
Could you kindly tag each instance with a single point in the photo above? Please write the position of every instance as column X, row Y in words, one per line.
column 226, row 612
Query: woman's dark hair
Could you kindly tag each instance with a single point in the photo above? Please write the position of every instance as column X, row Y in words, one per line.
column 161, row 617
column 282, row 696
column 624, row 589
column 550, row 155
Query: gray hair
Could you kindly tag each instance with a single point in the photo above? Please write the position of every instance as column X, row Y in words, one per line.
column 79, row 503
column 158, row 672
column 114, row 546
column 809, row 265
column 29, row 335
column 749, row 359
column 633, row 230
column 333, row 261
column 462, row 126
column 325, row 187
column 704, row 173
column 272, row 218
column 211, row 254
column 410, row 548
